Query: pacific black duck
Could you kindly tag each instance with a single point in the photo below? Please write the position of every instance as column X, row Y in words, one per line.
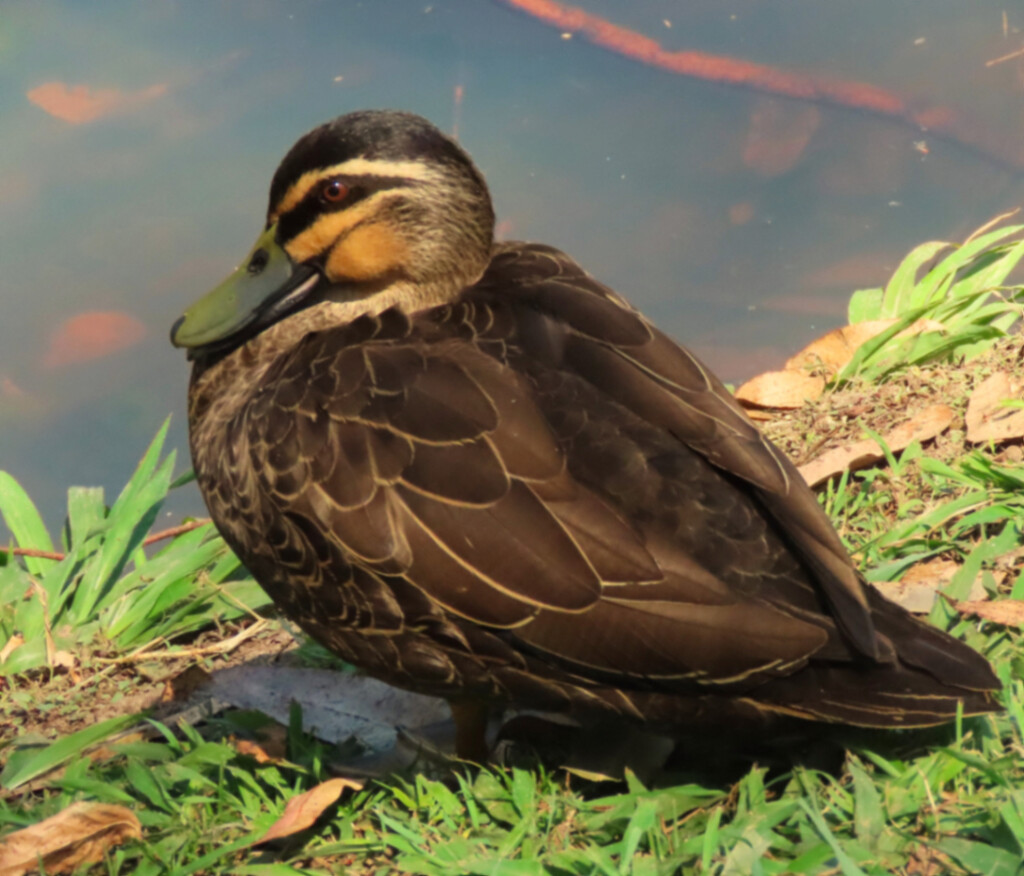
column 474, row 471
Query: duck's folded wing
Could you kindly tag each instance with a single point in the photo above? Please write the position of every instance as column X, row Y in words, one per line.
column 610, row 346
column 433, row 464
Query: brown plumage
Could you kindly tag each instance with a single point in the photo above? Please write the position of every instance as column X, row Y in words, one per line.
column 474, row 471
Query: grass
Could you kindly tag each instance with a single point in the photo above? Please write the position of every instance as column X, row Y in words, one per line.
column 949, row 801
column 103, row 591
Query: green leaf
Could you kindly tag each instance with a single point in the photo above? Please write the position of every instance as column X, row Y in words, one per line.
column 935, row 284
column 268, row 870
column 846, row 863
column 144, row 781
column 524, row 792
column 645, row 818
column 710, row 841
column 184, row 478
column 864, row 304
column 868, row 350
column 25, row 764
column 87, row 513
column 869, row 819
column 980, row 858
column 130, row 518
column 25, row 523
column 899, row 292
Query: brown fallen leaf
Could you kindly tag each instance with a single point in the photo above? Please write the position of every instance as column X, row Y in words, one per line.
column 987, row 418
column 68, row 662
column 253, row 750
column 12, row 645
column 833, row 350
column 1008, row 612
column 271, row 745
column 925, row 425
column 301, row 811
column 180, row 687
column 780, row 389
column 80, row 834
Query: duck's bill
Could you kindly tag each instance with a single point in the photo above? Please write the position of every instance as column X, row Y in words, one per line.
column 261, row 290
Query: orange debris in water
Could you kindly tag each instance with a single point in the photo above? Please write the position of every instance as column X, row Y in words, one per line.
column 741, row 213
column 940, row 121
column 778, row 135
column 79, row 104
column 92, row 335
column 853, row 272
column 10, row 389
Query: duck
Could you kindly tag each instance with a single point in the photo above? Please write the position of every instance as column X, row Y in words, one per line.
column 474, row 471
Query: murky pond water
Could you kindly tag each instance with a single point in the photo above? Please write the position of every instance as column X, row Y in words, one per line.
column 137, row 141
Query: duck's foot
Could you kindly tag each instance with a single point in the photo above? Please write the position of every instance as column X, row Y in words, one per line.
column 471, row 718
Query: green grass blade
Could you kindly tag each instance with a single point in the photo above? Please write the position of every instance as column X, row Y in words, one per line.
column 864, row 304
column 130, row 519
column 934, row 285
column 185, row 478
column 26, row 764
column 846, row 864
column 25, row 523
column 980, row 858
column 87, row 514
column 899, row 291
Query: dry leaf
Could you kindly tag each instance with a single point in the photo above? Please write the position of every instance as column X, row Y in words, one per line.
column 916, row 590
column 80, row 834
column 182, row 686
column 65, row 660
column 832, row 351
column 13, row 643
column 300, row 812
column 987, row 418
column 253, row 750
column 272, row 744
column 925, row 425
column 1008, row 612
column 793, row 387
column 780, row 389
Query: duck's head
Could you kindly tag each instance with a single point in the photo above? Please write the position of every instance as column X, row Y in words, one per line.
column 360, row 205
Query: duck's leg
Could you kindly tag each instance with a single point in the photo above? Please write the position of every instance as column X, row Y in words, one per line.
column 470, row 718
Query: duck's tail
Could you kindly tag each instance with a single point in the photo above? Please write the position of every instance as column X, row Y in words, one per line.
column 932, row 677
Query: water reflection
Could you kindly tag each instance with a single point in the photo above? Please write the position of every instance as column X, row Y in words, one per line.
column 139, row 140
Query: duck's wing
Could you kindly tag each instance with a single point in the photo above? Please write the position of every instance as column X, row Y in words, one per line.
column 622, row 391
column 538, row 461
column 610, row 346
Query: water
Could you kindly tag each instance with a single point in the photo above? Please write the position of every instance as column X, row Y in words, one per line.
column 740, row 223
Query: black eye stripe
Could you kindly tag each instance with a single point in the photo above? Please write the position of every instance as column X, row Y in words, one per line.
column 312, row 206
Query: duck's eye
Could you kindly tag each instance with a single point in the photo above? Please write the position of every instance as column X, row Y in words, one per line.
column 334, row 192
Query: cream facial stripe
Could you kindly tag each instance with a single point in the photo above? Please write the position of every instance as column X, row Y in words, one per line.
column 353, row 167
